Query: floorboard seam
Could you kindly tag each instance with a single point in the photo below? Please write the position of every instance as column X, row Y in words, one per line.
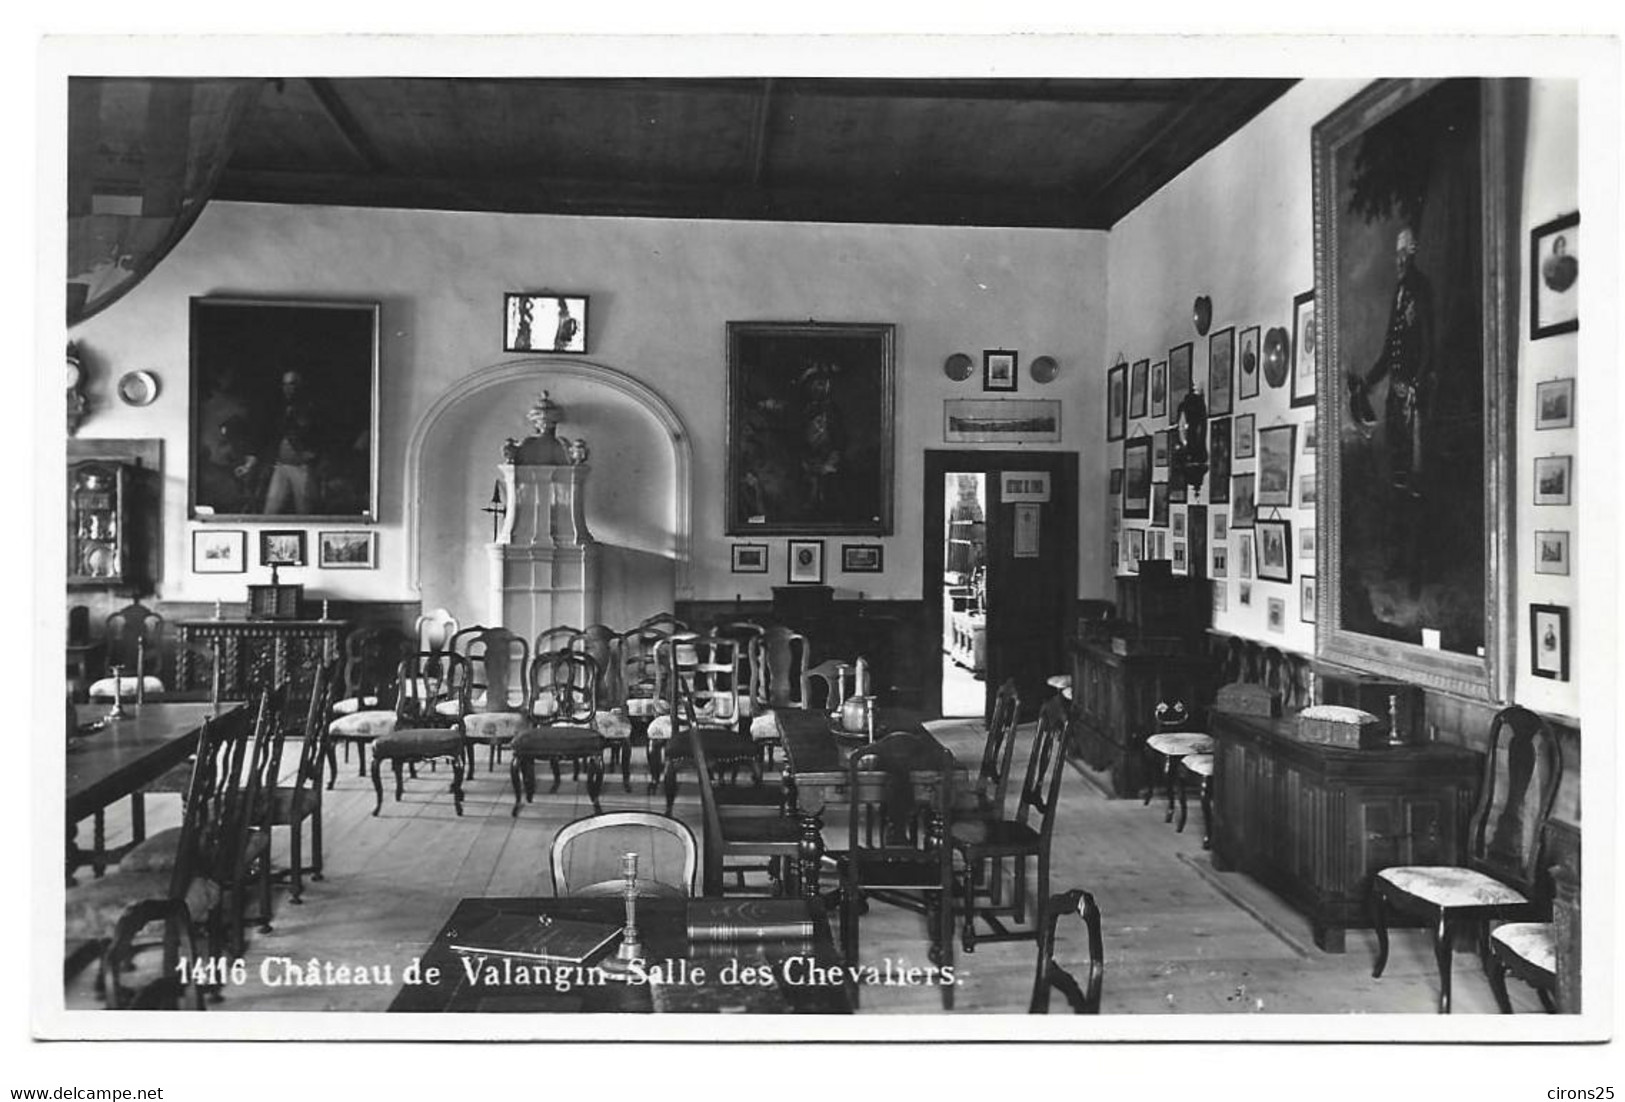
column 1212, row 878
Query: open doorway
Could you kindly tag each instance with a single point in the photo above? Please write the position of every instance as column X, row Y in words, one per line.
column 964, row 593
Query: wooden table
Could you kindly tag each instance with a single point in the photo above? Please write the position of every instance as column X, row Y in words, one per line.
column 696, row 979
column 116, row 760
column 815, row 761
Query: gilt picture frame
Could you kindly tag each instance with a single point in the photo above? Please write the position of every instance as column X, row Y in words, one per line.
column 809, row 430
column 1417, row 168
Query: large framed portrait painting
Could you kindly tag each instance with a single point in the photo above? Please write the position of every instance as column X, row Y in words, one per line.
column 809, row 428
column 284, row 410
column 1416, row 307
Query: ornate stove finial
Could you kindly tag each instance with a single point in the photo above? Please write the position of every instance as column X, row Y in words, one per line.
column 545, row 415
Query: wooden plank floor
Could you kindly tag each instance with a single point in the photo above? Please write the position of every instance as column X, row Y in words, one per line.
column 1179, row 937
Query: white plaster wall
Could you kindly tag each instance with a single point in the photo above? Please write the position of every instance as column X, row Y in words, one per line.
column 662, row 292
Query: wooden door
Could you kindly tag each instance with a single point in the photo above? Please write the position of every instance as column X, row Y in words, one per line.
column 1032, row 569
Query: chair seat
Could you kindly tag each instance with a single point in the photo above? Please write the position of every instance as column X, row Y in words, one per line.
column 363, row 724
column 765, row 726
column 1446, row 886
column 1534, row 942
column 1177, row 744
column 613, row 726
column 353, row 704
column 103, row 689
column 616, row 889
column 972, row 803
column 419, row 742
column 1199, row 764
column 495, row 726
column 93, row 909
column 874, row 872
column 994, row 835
column 289, row 804
column 766, row 829
column 156, row 854
column 1061, row 682
column 538, row 742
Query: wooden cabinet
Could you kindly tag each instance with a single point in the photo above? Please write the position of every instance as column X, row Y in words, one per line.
column 253, row 653
column 1314, row 823
column 98, row 528
column 1116, row 696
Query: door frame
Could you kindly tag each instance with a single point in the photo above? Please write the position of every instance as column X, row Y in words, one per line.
column 1063, row 470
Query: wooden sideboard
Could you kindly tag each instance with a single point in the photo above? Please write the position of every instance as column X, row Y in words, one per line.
column 1116, row 696
column 255, row 652
column 1314, row 823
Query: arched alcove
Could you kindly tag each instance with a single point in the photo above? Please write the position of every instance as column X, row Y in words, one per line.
column 638, row 495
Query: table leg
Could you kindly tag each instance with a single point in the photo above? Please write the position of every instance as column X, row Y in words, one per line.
column 812, row 854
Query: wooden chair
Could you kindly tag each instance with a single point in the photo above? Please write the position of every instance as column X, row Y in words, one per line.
column 741, row 845
column 779, row 656
column 372, row 659
column 1528, row 950
column 290, row 805
column 701, row 676
column 1083, row 1000
column 643, row 691
column 492, row 699
column 177, row 975
column 985, row 799
column 1017, row 840
column 1198, row 768
column 1499, row 881
column 418, row 733
column 1168, row 747
column 586, row 855
column 434, row 630
column 602, row 644
column 833, row 682
column 569, row 681
column 898, row 827
column 133, row 643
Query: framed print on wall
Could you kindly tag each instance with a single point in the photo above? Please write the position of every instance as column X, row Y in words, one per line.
column 347, row 550
column 1001, row 420
column 1551, row 552
column 1305, row 350
column 1554, row 404
column 1274, row 543
column 1413, row 254
column 1134, row 543
column 542, row 322
column 806, row 562
column 1243, row 510
column 1554, row 277
column 1221, row 365
column 863, row 558
column 1218, row 460
column 283, row 420
column 1244, row 435
column 1159, row 505
column 1159, row 388
column 1137, row 383
column 1306, row 598
column 1159, row 449
column 1277, row 448
column 1549, row 641
column 1117, row 403
column 219, row 551
column 749, row 558
column 999, row 369
column 1552, row 476
column 1137, row 478
column 1179, row 378
column 1247, row 364
column 1244, row 554
column 809, row 428
column 282, row 548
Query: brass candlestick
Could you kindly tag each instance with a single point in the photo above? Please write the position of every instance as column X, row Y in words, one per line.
column 117, row 710
column 631, row 947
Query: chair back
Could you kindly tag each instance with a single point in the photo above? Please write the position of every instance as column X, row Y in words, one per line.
column 78, row 626
column 898, row 798
column 602, row 644
column 993, row 777
column 590, row 851
column 237, row 791
column 313, row 750
column 641, row 683
column 555, row 638
column 435, row 629
column 666, row 622
column 498, row 664
column 833, row 682
column 1083, row 1000
column 1041, row 788
column 703, row 678
column 563, row 688
column 200, row 806
column 711, row 875
column 1522, row 769
column 745, row 633
column 424, row 679
column 134, row 639
column 779, row 657
column 372, row 658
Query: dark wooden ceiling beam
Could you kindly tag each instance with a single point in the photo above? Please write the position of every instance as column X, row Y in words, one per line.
column 345, row 122
column 628, row 198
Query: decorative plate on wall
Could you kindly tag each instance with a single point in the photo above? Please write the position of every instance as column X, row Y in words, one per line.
column 1275, row 355
column 958, row 367
column 138, row 388
column 1043, row 369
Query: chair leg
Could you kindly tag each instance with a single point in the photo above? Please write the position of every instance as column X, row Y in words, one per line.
column 331, row 754
column 316, row 837
column 1168, row 764
column 1207, row 812
column 515, row 768
column 400, row 782
column 1184, row 810
column 1547, row 1001
column 1442, row 949
column 1379, row 923
column 296, row 872
column 138, row 816
column 378, row 783
column 265, row 892
column 973, row 873
column 457, row 783
column 1498, row 985
column 669, row 782
column 556, row 776
column 625, row 751
column 595, row 782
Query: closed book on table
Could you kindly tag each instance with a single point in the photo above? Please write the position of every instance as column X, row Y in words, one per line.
column 748, row 920
column 538, row 938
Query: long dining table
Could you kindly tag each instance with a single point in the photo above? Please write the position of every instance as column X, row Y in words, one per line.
column 816, row 755
column 109, row 759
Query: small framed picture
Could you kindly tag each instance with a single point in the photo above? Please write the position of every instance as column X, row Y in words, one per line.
column 999, row 369
column 1274, row 539
column 1311, row 436
column 1116, row 402
column 1277, row 448
column 219, row 551
column 1245, row 593
column 1554, row 277
column 1137, row 382
column 1243, row 510
column 1247, row 364
column 1178, row 525
column 1277, row 615
column 863, row 558
column 1159, row 505
column 1554, row 404
column 1177, row 494
column 1221, row 362
column 1137, row 478
column 1179, row 557
column 1159, row 448
column 750, row 558
column 1114, row 483
column 1306, row 542
column 1179, row 377
column 1244, row 436
column 806, row 565
column 1306, row 491
column 1134, row 544
column 282, row 547
column 1306, row 598
column 350, row 549
column 1244, row 555
column 1551, row 552
column 1221, row 526
column 544, row 323
column 1221, row 561
column 1221, row 598
column 1305, row 348
column 1549, row 641
column 1553, row 474
column 1159, row 388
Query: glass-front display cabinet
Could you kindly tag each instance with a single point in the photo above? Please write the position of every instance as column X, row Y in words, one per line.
column 98, row 527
